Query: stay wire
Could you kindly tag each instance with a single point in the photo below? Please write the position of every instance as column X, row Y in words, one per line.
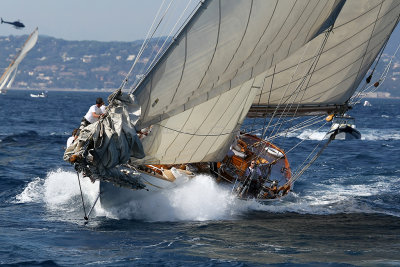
column 83, row 203
column 300, row 85
column 146, row 41
column 361, row 91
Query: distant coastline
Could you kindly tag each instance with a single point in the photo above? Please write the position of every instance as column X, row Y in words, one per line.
column 108, row 90
column 380, row 95
column 374, row 95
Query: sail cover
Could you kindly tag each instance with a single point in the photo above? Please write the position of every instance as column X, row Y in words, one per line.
column 12, row 68
column 198, row 94
column 324, row 74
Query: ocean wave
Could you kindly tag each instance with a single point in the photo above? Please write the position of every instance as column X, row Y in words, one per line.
column 195, row 200
column 58, row 188
column 339, row 198
column 24, row 136
column 366, row 134
column 309, row 134
column 379, row 134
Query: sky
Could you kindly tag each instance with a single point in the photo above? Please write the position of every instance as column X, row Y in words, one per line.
column 100, row 20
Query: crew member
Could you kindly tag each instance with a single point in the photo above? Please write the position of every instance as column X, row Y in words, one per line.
column 93, row 114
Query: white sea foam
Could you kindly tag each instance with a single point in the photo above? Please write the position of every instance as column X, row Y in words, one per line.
column 59, row 191
column 309, row 134
column 199, row 199
column 335, row 198
column 366, row 134
column 379, row 134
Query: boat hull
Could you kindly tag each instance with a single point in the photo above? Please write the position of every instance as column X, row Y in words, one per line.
column 112, row 195
column 346, row 133
column 273, row 164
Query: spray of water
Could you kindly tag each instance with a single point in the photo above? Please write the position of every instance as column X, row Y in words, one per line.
column 199, row 199
column 366, row 134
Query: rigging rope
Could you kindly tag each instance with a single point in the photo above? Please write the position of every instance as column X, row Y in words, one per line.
column 160, row 50
column 363, row 93
column 172, row 30
column 145, row 42
column 83, row 203
column 300, row 85
column 364, row 88
column 298, row 174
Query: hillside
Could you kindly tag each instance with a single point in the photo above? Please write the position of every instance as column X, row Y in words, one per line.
column 56, row 63
column 60, row 64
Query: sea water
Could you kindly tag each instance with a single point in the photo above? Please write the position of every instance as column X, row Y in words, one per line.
column 345, row 209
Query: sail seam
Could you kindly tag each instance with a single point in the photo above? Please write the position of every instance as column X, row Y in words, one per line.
column 343, row 68
column 309, row 31
column 326, row 65
column 262, row 35
column 218, row 121
column 215, row 47
column 278, row 32
column 238, row 125
column 300, row 85
column 183, row 70
column 244, row 34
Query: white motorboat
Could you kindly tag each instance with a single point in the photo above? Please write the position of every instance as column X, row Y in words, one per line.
column 345, row 128
column 42, row 94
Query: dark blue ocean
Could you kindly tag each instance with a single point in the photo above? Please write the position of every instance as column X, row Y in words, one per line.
column 344, row 211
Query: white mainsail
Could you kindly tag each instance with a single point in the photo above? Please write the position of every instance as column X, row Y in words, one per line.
column 198, row 94
column 11, row 71
column 266, row 56
column 320, row 77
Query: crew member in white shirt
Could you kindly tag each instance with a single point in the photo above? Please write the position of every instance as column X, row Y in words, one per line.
column 93, row 114
column 73, row 137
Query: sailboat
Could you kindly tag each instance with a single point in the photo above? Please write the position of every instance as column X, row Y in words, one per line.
column 9, row 74
column 287, row 64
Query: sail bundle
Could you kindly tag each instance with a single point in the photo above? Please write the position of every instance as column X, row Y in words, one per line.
column 112, row 140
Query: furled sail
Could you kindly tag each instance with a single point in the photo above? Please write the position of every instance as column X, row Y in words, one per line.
column 200, row 91
column 325, row 73
column 11, row 71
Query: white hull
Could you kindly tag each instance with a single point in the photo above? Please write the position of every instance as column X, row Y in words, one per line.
column 39, row 95
column 114, row 196
column 345, row 129
column 348, row 136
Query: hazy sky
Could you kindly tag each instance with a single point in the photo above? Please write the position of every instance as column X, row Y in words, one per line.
column 101, row 20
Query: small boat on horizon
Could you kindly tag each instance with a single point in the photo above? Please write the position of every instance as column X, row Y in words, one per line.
column 42, row 94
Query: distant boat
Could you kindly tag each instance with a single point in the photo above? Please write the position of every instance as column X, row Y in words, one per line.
column 345, row 128
column 42, row 94
column 367, row 104
column 9, row 75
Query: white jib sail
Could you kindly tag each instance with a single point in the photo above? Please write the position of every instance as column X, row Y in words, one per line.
column 200, row 91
